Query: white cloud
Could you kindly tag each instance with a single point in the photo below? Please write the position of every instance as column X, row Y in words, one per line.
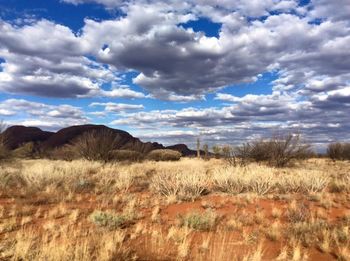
column 43, row 115
column 117, row 107
column 122, row 92
column 311, row 58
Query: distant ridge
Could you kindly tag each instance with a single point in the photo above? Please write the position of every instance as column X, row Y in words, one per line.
column 18, row 135
column 183, row 149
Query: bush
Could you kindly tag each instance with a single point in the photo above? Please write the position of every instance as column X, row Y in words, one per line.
column 96, row 145
column 164, row 155
column 5, row 153
column 277, row 151
column 339, row 151
column 126, row 155
column 27, row 150
column 199, row 221
column 184, row 184
column 66, row 153
column 109, row 220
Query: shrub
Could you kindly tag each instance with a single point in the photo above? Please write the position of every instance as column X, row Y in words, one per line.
column 4, row 151
column 63, row 153
column 298, row 213
column 184, row 184
column 109, row 220
column 164, row 155
column 216, row 150
column 339, row 151
column 96, row 145
column 229, row 154
column 11, row 179
column 126, row 155
column 337, row 186
column 277, row 151
column 199, row 221
column 262, row 180
column 237, row 180
column 27, row 150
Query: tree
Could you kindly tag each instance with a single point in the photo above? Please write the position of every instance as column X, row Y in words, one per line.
column 229, row 155
column 339, row 151
column 198, row 148
column 277, row 151
column 206, row 151
column 216, row 151
column 96, row 145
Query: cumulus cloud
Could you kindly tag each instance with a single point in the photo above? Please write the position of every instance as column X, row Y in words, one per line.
column 52, row 66
column 305, row 46
column 122, row 92
column 117, row 107
column 334, row 10
column 43, row 115
column 250, row 117
column 175, row 63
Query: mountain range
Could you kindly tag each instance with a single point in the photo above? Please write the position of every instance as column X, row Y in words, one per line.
column 18, row 135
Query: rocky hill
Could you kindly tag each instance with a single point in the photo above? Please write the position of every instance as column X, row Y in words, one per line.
column 19, row 135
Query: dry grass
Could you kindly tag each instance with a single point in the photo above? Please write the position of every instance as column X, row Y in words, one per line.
column 185, row 181
column 186, row 210
column 262, row 180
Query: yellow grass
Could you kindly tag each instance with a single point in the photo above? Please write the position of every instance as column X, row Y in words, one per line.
column 186, row 210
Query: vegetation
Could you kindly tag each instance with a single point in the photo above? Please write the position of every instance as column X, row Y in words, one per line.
column 339, row 151
column 4, row 152
column 278, row 151
column 198, row 148
column 126, row 155
column 199, row 221
column 164, row 155
column 87, row 205
column 95, row 145
column 185, row 210
column 27, row 150
column 109, row 220
column 206, row 151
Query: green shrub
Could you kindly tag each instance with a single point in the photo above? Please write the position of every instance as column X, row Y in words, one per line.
column 199, row 221
column 126, row 155
column 164, row 155
column 109, row 220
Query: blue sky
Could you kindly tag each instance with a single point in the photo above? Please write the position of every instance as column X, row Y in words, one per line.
column 172, row 71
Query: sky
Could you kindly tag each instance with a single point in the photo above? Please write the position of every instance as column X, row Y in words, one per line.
column 170, row 71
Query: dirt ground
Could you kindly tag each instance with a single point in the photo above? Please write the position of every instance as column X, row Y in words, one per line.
column 47, row 221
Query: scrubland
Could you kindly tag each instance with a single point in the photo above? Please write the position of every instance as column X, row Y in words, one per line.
column 191, row 209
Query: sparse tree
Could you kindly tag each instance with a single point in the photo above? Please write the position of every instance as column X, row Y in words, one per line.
column 277, row 151
column 96, row 145
column 216, row 151
column 339, row 151
column 229, row 155
column 206, row 151
column 198, row 148
column 335, row 151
